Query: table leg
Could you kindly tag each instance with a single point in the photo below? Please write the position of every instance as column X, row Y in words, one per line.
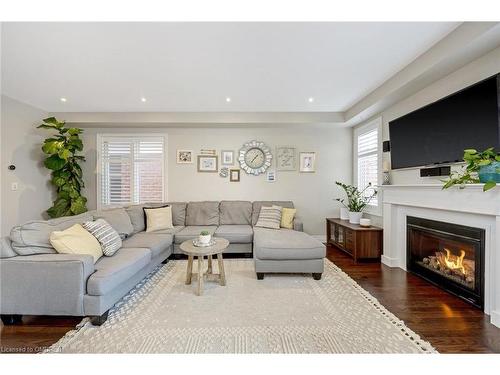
column 209, row 271
column 200, row 275
column 189, row 273
column 222, row 274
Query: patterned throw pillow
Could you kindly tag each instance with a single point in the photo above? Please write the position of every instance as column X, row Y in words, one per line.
column 269, row 217
column 108, row 237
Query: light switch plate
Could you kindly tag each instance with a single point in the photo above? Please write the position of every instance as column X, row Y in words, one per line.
column 14, row 186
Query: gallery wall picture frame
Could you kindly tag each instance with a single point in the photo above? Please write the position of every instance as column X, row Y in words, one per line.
column 208, row 164
column 286, row 158
column 208, row 152
column 227, row 157
column 234, row 175
column 271, row 175
column 184, row 157
column 307, row 162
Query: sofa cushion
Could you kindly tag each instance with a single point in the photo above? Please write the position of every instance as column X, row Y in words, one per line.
column 286, row 244
column 258, row 204
column 202, row 213
column 118, row 219
column 76, row 240
column 108, row 237
column 154, row 241
column 235, row 212
column 235, row 233
column 33, row 236
column 178, row 211
column 191, row 232
column 158, row 218
column 136, row 215
column 269, row 217
column 113, row 271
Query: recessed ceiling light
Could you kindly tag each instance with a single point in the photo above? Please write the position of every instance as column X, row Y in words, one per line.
column 310, row 100
column 143, row 100
column 64, row 100
column 228, row 99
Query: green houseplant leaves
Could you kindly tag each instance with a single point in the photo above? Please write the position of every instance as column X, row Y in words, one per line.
column 62, row 159
column 474, row 161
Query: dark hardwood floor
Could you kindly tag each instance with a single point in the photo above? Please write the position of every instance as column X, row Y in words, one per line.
column 448, row 323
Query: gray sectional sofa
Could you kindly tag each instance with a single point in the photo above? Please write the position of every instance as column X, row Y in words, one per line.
column 35, row 280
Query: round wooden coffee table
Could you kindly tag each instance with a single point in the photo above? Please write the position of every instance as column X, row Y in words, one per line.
column 192, row 251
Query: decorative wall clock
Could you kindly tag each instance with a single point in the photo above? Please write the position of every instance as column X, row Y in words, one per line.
column 255, row 157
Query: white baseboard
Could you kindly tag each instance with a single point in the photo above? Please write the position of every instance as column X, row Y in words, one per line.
column 495, row 318
column 390, row 262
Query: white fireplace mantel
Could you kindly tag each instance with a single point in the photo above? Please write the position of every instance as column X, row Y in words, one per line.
column 468, row 206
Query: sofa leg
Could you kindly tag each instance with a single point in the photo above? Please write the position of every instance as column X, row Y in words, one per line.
column 317, row 276
column 99, row 320
column 260, row 276
column 10, row 319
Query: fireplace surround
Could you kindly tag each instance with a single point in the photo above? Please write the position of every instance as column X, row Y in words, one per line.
column 469, row 206
column 448, row 255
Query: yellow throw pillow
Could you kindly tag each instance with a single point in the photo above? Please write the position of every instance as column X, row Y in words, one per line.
column 76, row 240
column 158, row 218
column 287, row 216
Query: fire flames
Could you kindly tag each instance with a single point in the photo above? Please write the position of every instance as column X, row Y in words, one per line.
column 453, row 262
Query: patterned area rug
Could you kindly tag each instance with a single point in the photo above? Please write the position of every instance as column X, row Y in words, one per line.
column 280, row 314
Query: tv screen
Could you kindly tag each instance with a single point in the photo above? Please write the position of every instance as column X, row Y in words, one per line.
column 439, row 132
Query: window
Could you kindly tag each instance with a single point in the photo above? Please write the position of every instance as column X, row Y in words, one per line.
column 368, row 158
column 131, row 170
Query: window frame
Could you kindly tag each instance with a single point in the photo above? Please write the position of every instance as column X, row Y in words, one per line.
column 375, row 124
column 101, row 137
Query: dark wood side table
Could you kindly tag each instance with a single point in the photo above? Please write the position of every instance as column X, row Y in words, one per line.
column 359, row 242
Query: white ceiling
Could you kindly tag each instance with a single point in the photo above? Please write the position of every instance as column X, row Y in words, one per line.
column 193, row 67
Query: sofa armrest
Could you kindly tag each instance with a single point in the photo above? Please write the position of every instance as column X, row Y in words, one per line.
column 44, row 284
column 298, row 225
column 5, row 248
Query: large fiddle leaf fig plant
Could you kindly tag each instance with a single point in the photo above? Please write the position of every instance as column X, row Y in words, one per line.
column 63, row 160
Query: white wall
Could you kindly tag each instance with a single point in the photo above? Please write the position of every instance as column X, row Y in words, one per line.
column 313, row 193
column 477, row 70
column 21, row 146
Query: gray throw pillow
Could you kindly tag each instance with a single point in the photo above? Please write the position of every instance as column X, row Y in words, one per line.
column 104, row 233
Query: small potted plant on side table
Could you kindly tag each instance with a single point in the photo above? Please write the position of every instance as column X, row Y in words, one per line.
column 205, row 237
column 357, row 200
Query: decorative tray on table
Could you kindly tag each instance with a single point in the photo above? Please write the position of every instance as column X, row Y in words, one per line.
column 197, row 243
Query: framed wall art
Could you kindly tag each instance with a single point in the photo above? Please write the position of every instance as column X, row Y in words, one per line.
column 307, row 162
column 234, row 175
column 207, row 163
column 227, row 157
column 184, row 157
column 286, row 158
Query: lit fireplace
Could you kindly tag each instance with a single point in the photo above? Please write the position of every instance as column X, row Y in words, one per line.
column 448, row 255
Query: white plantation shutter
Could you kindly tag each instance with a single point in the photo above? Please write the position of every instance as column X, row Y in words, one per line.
column 368, row 161
column 131, row 170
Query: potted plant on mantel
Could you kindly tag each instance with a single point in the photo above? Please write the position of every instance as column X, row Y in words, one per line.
column 482, row 167
column 357, row 200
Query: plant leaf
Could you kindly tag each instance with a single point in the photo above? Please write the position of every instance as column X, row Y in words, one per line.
column 54, row 162
column 489, row 185
column 484, row 162
column 51, row 146
column 64, row 153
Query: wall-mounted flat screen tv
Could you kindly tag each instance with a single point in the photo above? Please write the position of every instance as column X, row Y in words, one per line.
column 439, row 132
